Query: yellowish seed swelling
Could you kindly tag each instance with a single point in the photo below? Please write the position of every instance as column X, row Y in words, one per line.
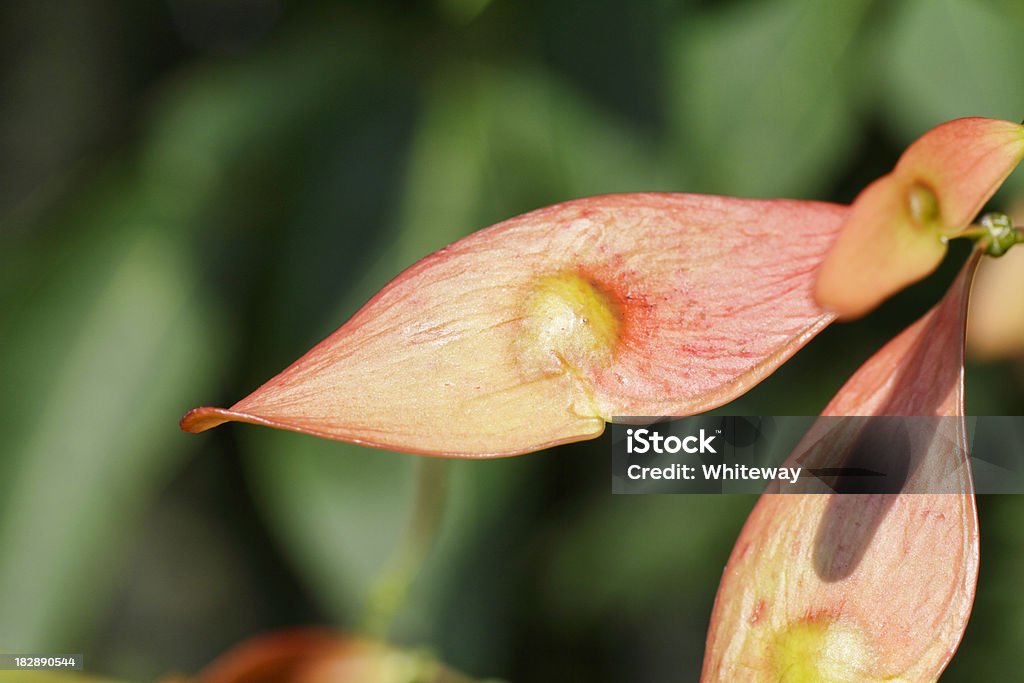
column 922, row 206
column 567, row 324
column 819, row 651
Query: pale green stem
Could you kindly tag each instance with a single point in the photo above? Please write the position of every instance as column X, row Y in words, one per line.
column 389, row 590
column 995, row 235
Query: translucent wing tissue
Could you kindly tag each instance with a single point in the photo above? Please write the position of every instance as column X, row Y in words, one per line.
column 536, row 331
column 864, row 587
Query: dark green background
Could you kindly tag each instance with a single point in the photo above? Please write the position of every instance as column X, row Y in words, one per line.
column 193, row 192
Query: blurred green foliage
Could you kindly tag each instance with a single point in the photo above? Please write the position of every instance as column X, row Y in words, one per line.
column 193, row 193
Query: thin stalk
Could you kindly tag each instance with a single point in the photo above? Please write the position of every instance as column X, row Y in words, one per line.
column 389, row 591
column 995, row 235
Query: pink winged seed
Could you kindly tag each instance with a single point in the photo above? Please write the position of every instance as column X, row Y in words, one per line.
column 538, row 330
column 863, row 587
column 899, row 225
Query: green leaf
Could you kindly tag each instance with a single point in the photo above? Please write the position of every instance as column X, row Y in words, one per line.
column 573, row 148
column 946, row 59
column 950, row 58
column 109, row 338
column 649, row 550
column 760, row 94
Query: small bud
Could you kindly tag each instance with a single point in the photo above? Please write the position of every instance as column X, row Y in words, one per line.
column 1001, row 234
